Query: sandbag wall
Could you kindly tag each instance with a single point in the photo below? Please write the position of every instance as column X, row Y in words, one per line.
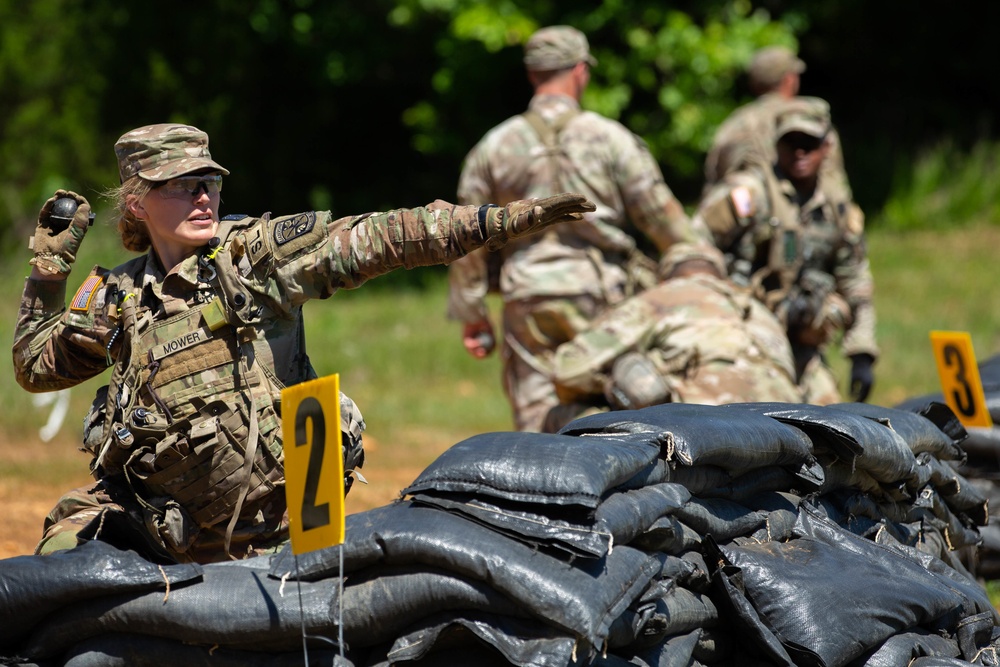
column 981, row 467
column 751, row 534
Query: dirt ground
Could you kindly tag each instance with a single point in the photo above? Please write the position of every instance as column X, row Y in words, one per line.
column 34, row 474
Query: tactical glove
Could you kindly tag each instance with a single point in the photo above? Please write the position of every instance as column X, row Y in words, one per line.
column 55, row 242
column 527, row 216
column 862, row 377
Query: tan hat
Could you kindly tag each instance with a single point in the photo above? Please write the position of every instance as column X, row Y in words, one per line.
column 809, row 115
column 164, row 151
column 771, row 63
column 556, row 47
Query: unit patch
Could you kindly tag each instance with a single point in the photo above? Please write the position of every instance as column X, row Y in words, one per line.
column 84, row 295
column 293, row 227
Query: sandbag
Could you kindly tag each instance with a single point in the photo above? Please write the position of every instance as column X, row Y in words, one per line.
column 535, row 468
column 694, row 435
column 33, row 587
column 864, row 443
column 900, row 650
column 582, row 597
column 920, row 433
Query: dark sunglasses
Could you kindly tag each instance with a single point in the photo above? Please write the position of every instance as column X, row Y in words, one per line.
column 185, row 187
column 801, row 141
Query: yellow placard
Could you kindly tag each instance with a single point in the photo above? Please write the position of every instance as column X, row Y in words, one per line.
column 314, row 465
column 959, row 373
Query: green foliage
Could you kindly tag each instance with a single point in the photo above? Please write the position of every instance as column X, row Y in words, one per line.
column 946, row 186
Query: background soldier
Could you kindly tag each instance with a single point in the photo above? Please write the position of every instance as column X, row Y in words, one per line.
column 801, row 251
column 694, row 338
column 774, row 77
column 551, row 284
column 203, row 331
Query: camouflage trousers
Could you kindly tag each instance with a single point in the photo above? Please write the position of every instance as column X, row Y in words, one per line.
column 81, row 514
column 532, row 328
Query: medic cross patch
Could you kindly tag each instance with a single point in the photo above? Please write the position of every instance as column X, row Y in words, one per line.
column 291, row 228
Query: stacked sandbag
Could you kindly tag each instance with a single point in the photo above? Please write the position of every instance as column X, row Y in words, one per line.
column 750, row 534
column 981, row 468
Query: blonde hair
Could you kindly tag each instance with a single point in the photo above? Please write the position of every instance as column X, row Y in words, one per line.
column 133, row 232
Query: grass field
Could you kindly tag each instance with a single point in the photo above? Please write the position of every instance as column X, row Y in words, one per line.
column 403, row 363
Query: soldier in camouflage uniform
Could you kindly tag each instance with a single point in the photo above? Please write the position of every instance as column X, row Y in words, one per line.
column 747, row 134
column 202, row 332
column 551, row 283
column 693, row 338
column 802, row 252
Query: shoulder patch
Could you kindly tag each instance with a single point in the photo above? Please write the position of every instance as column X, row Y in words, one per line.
column 742, row 201
column 84, row 295
column 288, row 229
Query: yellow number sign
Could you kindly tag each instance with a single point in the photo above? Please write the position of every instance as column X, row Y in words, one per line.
column 959, row 373
column 314, row 466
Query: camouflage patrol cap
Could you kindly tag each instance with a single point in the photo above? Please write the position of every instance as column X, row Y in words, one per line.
column 771, row 63
column 163, row 151
column 557, row 47
column 807, row 115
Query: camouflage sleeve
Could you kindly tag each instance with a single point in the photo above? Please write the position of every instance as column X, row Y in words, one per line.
column 314, row 256
column 649, row 201
column 56, row 347
column 856, row 284
column 468, row 284
column 579, row 366
column 728, row 209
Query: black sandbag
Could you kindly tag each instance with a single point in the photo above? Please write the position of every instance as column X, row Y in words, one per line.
column 663, row 609
column 959, row 493
column 582, row 597
column 669, row 535
column 939, row 661
column 723, row 519
column 234, row 605
column 919, row 432
column 881, row 452
column 617, row 520
column 481, row 639
column 693, row 435
column 810, row 477
column 973, row 599
column 828, row 604
column 575, row 539
column 934, row 408
column 536, row 468
column 381, row 602
column 125, row 650
column 983, row 443
column 687, row 569
column 900, row 650
column 32, row 587
column 675, row 651
column 701, row 479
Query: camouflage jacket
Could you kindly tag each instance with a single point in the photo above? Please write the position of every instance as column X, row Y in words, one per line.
column 592, row 155
column 748, row 214
column 201, row 353
column 747, row 136
column 709, row 339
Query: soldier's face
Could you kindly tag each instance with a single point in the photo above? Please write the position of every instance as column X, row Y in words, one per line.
column 800, row 155
column 179, row 225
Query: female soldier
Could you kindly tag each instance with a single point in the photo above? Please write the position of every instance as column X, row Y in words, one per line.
column 202, row 332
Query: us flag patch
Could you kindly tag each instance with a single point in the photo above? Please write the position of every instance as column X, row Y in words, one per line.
column 86, row 293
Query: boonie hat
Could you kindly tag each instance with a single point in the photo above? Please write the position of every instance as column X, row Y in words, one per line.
column 557, row 47
column 164, row 151
column 771, row 63
column 807, row 115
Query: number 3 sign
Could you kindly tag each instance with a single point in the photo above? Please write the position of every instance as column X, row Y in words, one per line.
column 314, row 467
column 959, row 373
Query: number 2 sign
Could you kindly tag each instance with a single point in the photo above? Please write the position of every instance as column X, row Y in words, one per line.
column 959, row 373
column 314, row 466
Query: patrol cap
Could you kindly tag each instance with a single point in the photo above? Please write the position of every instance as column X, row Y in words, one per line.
column 679, row 253
column 807, row 115
column 163, row 151
column 771, row 63
column 556, row 47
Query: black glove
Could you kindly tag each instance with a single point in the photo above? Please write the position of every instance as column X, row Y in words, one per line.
column 862, row 377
